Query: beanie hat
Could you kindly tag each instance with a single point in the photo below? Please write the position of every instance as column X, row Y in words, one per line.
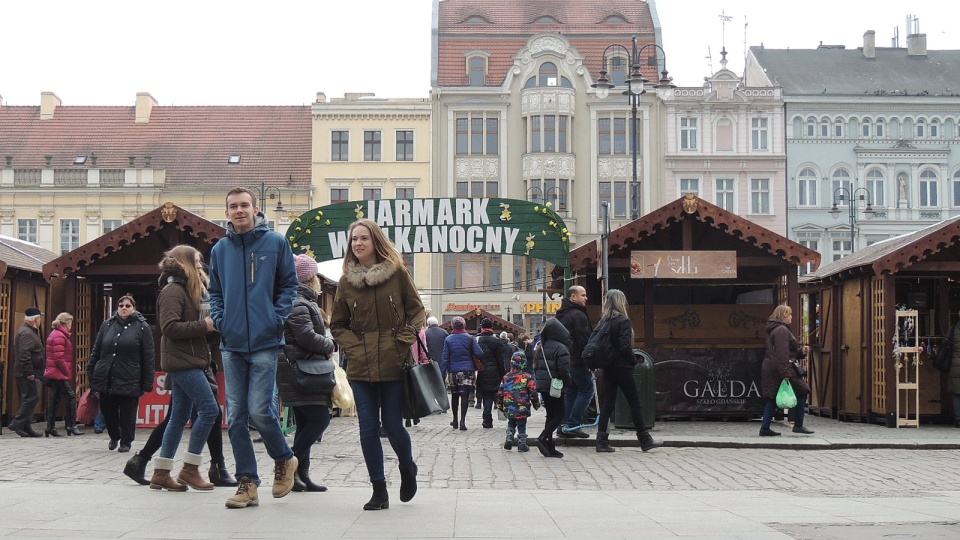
column 306, row 267
column 458, row 323
column 518, row 361
column 486, row 323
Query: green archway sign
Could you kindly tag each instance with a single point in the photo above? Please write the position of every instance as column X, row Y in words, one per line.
column 504, row 226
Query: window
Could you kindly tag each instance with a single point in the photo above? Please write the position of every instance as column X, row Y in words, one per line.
column 111, row 224
column 69, row 235
column 934, row 129
column 759, row 139
column 880, row 124
column 615, row 141
column 956, row 189
column 340, row 146
column 811, row 127
column 404, row 192
column 690, row 185
column 548, row 75
column 921, row 128
column 473, row 271
column 408, row 262
column 824, row 128
column 842, row 187
column 27, row 230
column 529, row 275
column 838, row 127
column 339, row 194
column 372, row 194
column 865, row 127
column 813, row 245
column 478, row 189
column 477, row 70
column 807, row 188
column 615, row 194
column 551, row 191
column 548, row 133
column 405, row 145
column 760, row 196
column 477, row 133
column 875, row 187
column 617, row 66
column 688, row 133
column 841, row 248
column 928, row 189
column 371, row 146
column 724, row 195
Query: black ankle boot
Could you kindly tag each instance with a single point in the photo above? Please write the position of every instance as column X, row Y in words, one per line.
column 603, row 442
column 298, row 484
column 647, row 442
column 220, row 476
column 380, row 499
column 408, row 482
column 303, row 474
column 136, row 468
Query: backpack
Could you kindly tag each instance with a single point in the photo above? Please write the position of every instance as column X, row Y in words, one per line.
column 598, row 352
column 945, row 354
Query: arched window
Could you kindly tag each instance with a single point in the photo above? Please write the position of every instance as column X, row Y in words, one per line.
column 842, row 187
column 548, row 75
column 614, row 19
column 879, row 127
column 934, row 129
column 477, row 70
column 921, row 128
column 928, row 189
column 546, row 19
column 476, row 19
column 865, row 128
column 807, row 188
column 811, row 127
column 956, row 188
column 838, row 127
column 825, row 127
column 875, row 186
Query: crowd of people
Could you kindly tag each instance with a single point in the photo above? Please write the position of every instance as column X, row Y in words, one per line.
column 258, row 303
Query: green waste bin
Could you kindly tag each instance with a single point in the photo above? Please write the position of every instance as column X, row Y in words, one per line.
column 644, row 376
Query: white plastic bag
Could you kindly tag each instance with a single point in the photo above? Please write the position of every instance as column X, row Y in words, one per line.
column 342, row 393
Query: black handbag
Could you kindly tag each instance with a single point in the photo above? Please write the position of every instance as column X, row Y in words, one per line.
column 945, row 355
column 314, row 376
column 423, row 390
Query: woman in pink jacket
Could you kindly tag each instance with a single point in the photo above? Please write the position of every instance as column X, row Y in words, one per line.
column 59, row 376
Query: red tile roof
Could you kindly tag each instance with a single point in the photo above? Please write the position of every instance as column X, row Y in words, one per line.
column 510, row 25
column 191, row 143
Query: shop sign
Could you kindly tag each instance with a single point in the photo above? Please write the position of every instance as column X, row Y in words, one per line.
column 708, row 380
column 537, row 307
column 683, row 264
column 461, row 225
column 463, row 308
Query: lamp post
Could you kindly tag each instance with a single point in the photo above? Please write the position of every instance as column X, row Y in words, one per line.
column 859, row 194
column 509, row 319
column 635, row 88
column 268, row 191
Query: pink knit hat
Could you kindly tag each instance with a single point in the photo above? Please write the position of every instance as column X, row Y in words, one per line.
column 306, row 268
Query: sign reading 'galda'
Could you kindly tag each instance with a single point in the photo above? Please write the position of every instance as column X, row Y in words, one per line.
column 683, row 264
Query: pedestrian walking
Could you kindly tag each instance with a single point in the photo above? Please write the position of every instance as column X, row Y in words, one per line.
column 577, row 395
column 58, row 376
column 29, row 361
column 459, row 369
column 551, row 361
column 495, row 356
column 782, row 349
column 515, row 397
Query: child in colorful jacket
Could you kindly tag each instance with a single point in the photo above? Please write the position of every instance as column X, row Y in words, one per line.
column 517, row 393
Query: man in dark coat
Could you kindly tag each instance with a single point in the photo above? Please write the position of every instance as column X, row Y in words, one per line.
column 577, row 395
column 435, row 338
column 488, row 380
column 30, row 361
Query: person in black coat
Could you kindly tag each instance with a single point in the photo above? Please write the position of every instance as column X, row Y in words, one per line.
column 576, row 397
column 620, row 373
column 121, row 369
column 551, row 361
column 488, row 380
column 435, row 336
column 305, row 336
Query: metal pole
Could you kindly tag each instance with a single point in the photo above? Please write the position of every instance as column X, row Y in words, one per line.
column 853, row 220
column 635, row 188
column 605, row 236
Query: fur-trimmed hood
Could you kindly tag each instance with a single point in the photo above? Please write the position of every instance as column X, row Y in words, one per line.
column 171, row 268
column 361, row 277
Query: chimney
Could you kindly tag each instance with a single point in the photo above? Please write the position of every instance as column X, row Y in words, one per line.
column 321, row 97
column 48, row 104
column 145, row 104
column 870, row 44
column 917, row 45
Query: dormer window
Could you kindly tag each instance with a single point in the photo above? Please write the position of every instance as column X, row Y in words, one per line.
column 80, row 160
column 615, row 19
column 546, row 19
column 234, row 159
column 477, row 70
column 476, row 19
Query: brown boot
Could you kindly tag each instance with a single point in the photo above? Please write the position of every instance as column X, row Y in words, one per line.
column 161, row 476
column 283, row 471
column 190, row 473
column 246, row 494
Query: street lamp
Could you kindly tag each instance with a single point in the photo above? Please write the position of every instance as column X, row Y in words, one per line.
column 265, row 192
column 635, row 87
column 860, row 194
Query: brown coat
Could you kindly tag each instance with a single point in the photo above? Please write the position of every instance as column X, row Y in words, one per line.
column 782, row 347
column 375, row 319
column 184, row 344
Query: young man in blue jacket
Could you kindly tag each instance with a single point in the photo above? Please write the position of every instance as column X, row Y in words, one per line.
column 253, row 282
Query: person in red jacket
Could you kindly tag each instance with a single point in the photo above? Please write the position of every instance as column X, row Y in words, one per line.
column 59, row 376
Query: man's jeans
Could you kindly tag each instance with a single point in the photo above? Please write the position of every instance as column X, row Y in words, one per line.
column 191, row 388
column 577, row 396
column 251, row 380
column 29, row 396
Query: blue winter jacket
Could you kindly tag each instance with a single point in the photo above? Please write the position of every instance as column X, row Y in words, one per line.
column 458, row 351
column 253, row 282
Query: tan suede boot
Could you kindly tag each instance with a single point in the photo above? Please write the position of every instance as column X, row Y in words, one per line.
column 190, row 473
column 246, row 494
column 161, row 476
column 283, row 471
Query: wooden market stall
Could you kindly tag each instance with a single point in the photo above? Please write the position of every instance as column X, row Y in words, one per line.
column 21, row 286
column 701, row 283
column 882, row 314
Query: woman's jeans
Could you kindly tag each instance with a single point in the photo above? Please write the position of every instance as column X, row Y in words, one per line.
column 577, row 396
column 381, row 403
column 214, row 439
column 312, row 421
column 770, row 407
column 62, row 390
column 619, row 378
column 192, row 389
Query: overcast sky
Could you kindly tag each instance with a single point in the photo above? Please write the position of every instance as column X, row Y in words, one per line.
column 282, row 52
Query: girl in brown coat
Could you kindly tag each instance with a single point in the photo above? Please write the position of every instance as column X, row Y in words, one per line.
column 375, row 319
column 782, row 349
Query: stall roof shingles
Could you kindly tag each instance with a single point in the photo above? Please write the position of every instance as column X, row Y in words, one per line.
column 894, row 254
column 16, row 253
column 192, row 144
column 510, row 24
